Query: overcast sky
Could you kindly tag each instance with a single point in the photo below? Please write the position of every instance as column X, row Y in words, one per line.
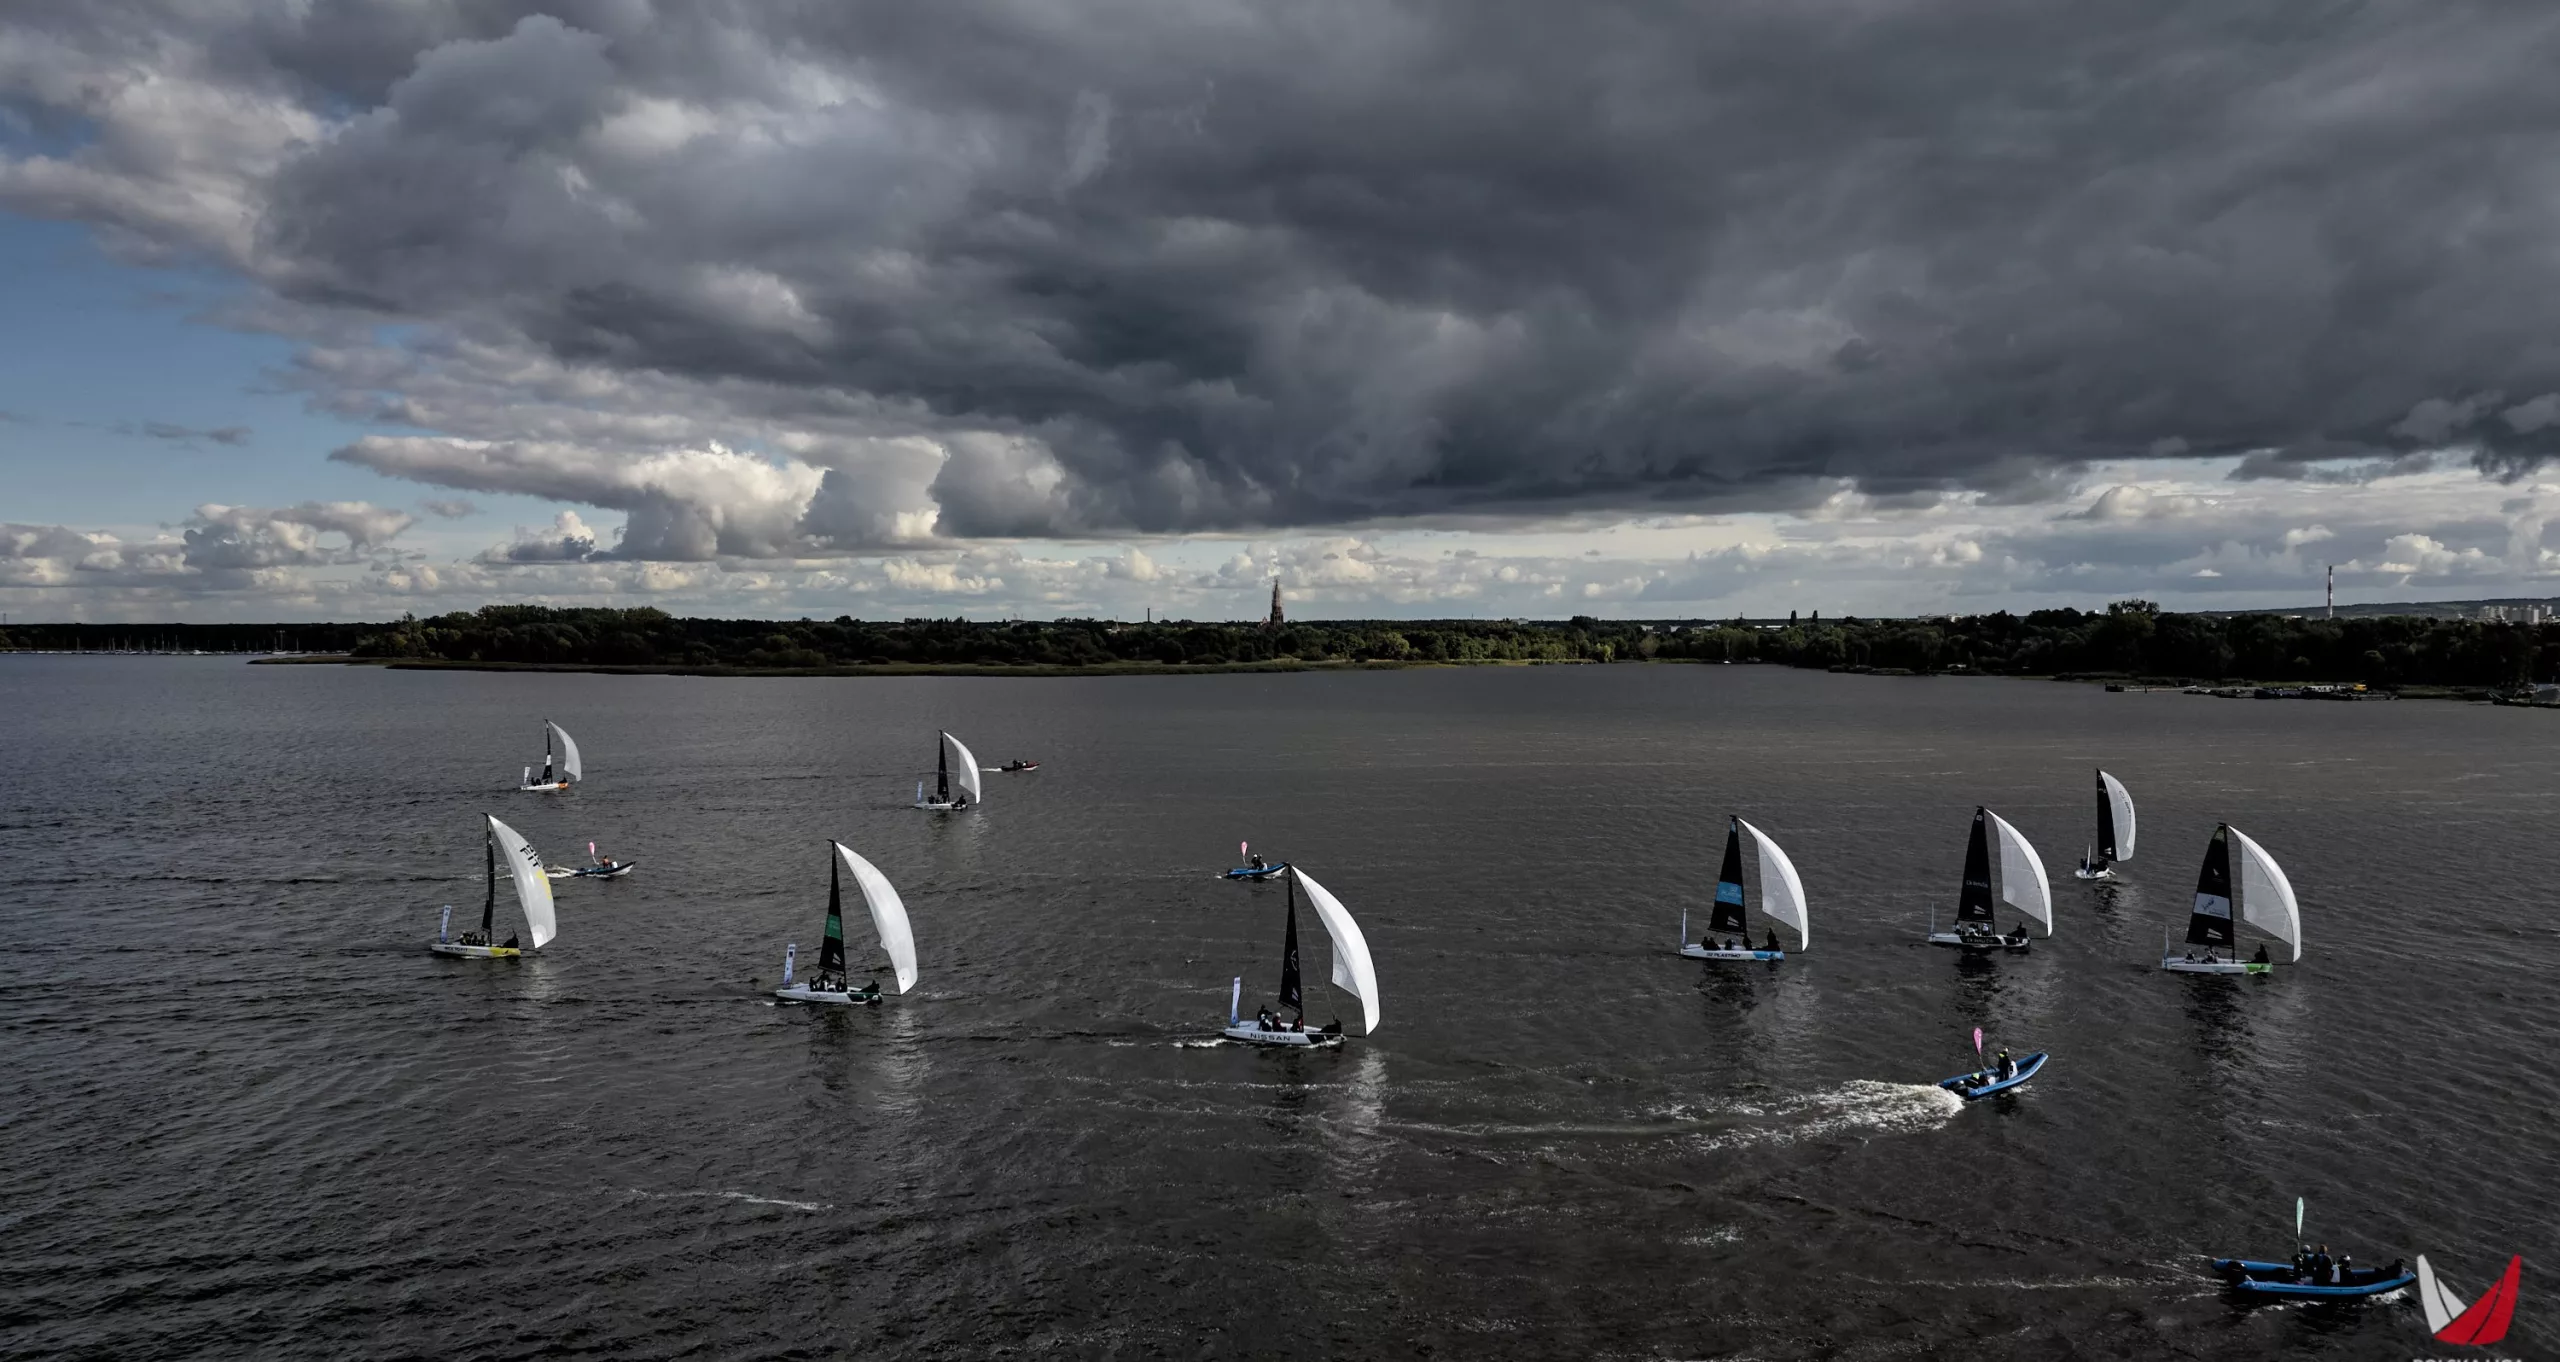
column 1095, row 306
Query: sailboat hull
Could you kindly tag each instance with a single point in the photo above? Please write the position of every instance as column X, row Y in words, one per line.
column 802, row 993
column 2179, row 965
column 552, row 788
column 936, row 805
column 474, row 952
column 2085, row 873
column 1702, row 953
column 1251, row 1034
column 1975, row 944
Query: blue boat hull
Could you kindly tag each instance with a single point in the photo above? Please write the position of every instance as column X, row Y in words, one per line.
column 1246, row 872
column 2251, row 1278
column 2028, row 1068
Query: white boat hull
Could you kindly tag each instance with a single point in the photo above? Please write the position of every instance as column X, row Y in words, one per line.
column 565, row 872
column 1702, row 953
column 1251, row 1034
column 551, row 788
column 474, row 952
column 2085, row 873
column 802, row 993
column 937, row 806
column 2181, row 965
column 1976, row 943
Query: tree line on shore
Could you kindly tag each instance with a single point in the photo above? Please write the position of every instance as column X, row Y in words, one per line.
column 2128, row 638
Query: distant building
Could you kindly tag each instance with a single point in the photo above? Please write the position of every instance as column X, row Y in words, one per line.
column 1277, row 619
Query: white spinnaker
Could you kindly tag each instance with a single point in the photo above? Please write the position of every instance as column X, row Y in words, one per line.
column 569, row 769
column 1352, row 971
column 1781, row 893
column 533, row 888
column 2266, row 896
column 964, row 768
column 888, row 914
column 2022, row 881
column 2121, row 802
column 2443, row 1307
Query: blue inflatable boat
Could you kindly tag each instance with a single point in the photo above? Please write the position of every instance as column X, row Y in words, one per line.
column 1975, row 1086
column 2280, row 1280
column 1246, row 872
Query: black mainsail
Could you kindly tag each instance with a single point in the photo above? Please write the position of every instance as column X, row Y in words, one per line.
column 2106, row 827
column 489, row 907
column 2210, row 923
column 1292, row 992
column 1975, row 903
column 831, row 951
column 1728, row 914
column 547, row 759
column 941, row 768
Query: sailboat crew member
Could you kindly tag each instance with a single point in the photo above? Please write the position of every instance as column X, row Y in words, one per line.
column 1773, row 939
column 2008, row 1066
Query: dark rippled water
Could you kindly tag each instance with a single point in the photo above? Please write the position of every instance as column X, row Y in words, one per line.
column 248, row 1113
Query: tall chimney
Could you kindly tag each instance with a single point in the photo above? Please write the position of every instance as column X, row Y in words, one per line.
column 2333, row 591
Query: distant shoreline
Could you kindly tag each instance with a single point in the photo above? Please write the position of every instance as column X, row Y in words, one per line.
column 889, row 668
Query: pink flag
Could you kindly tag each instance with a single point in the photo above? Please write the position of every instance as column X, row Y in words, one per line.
column 1977, row 1042
column 1243, row 850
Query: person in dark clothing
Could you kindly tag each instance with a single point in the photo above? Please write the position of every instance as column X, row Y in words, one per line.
column 1258, row 862
column 2262, row 953
column 1773, row 940
column 2008, row 1067
column 511, row 941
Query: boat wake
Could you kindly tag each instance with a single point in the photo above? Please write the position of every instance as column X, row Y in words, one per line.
column 749, row 1198
column 1852, row 1109
column 1856, row 1108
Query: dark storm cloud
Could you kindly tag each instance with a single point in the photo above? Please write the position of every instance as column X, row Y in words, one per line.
column 1165, row 267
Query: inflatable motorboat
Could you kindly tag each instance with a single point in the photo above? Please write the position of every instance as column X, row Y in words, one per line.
column 2250, row 1278
column 1982, row 1083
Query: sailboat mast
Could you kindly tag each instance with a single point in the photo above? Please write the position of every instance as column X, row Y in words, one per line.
column 489, row 907
column 942, row 768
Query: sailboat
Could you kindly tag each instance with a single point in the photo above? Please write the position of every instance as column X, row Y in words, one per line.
column 888, row 917
column 2115, row 831
column 2022, row 886
column 533, row 895
column 1352, row 973
column 1781, row 899
column 560, row 772
column 953, row 753
column 2265, row 901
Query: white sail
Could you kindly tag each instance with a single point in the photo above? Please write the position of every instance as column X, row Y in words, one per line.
column 569, row 769
column 533, row 888
column 1781, row 893
column 2121, row 803
column 2022, row 881
column 1352, row 971
column 2443, row 1307
column 964, row 768
column 888, row 914
column 2266, row 896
